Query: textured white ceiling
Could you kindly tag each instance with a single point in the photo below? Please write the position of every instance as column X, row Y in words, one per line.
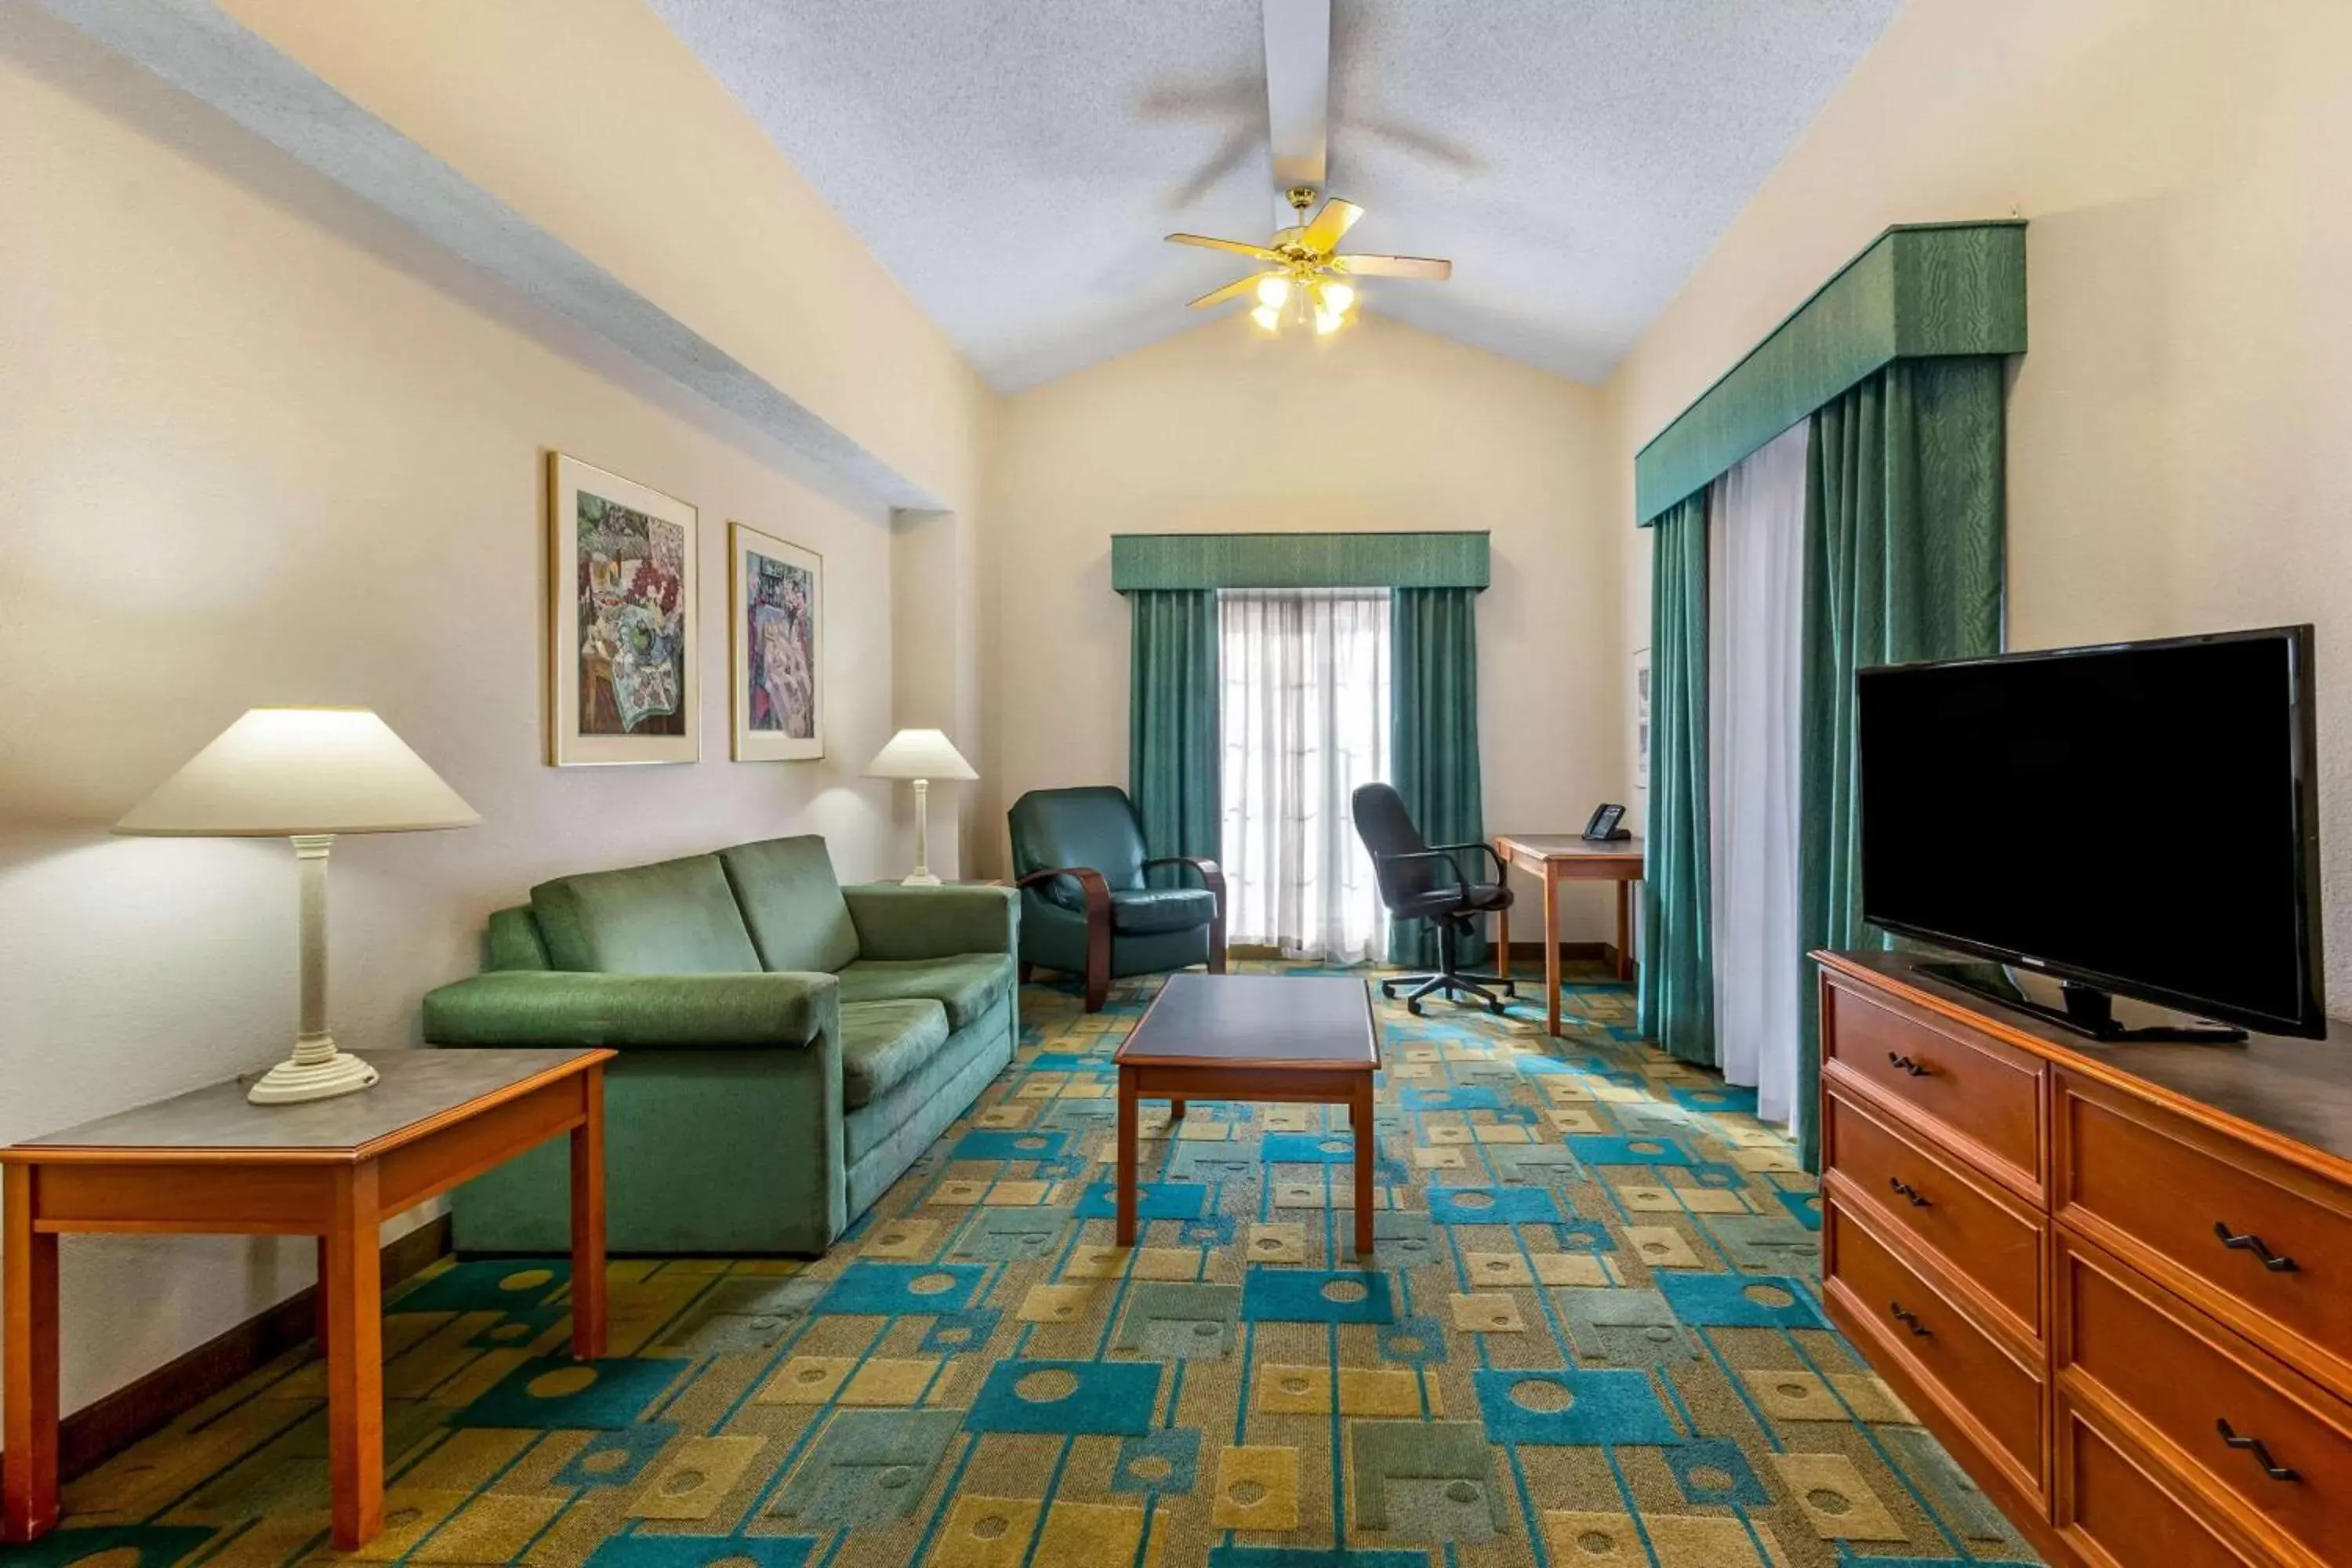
column 1015, row 164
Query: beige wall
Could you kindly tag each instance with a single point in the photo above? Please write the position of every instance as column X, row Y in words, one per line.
column 257, row 444
column 1379, row 428
column 2175, row 429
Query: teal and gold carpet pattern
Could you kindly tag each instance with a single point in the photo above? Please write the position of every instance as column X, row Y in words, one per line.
column 1591, row 1336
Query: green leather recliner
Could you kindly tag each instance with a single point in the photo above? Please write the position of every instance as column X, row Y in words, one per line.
column 787, row 1046
column 1086, row 908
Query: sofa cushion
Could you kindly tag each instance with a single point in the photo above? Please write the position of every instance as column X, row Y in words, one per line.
column 882, row 1044
column 964, row 984
column 791, row 903
column 674, row 917
column 1141, row 911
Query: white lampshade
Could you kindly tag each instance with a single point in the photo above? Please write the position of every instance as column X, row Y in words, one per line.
column 282, row 772
column 918, row 754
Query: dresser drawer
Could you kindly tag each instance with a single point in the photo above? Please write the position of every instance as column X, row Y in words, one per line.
column 2113, row 1508
column 2143, row 1182
column 1974, row 1093
column 1970, row 1372
column 2185, row 1376
column 1974, row 1228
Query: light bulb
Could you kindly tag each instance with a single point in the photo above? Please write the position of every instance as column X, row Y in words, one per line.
column 1273, row 292
column 1267, row 317
column 1328, row 322
column 1337, row 297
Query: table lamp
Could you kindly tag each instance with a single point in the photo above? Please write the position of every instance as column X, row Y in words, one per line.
column 304, row 774
column 921, row 756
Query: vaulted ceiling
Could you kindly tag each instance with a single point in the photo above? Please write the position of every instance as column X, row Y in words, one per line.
column 1015, row 164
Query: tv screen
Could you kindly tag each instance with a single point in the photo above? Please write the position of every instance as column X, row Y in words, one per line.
column 2141, row 818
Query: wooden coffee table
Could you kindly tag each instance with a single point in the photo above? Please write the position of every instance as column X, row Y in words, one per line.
column 1294, row 1038
column 335, row 1169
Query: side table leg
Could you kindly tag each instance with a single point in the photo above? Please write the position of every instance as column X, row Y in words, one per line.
column 353, row 1284
column 29, row 1477
column 1359, row 1116
column 1126, row 1159
column 588, row 1317
column 1551, row 953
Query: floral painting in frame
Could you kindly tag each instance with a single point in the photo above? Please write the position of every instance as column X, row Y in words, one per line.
column 776, row 634
column 620, row 618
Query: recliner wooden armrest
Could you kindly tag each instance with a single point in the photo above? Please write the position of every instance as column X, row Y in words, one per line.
column 1094, row 893
column 1213, row 879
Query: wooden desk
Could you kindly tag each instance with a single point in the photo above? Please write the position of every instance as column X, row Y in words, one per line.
column 1556, row 858
column 1308, row 1039
column 335, row 1169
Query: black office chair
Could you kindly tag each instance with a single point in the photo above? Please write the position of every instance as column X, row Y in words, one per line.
column 1419, row 882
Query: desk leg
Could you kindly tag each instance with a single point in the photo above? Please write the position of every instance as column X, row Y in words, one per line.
column 1503, row 932
column 1127, row 1161
column 1360, row 1117
column 1551, row 952
column 588, row 1317
column 1624, row 931
column 353, row 1284
column 29, row 1475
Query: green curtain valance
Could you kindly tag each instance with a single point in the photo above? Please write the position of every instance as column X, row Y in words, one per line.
column 1454, row 558
column 1920, row 291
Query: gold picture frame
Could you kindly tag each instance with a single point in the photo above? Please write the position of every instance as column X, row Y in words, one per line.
column 623, row 630
column 775, row 641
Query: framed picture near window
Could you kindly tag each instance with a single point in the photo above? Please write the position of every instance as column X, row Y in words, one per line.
column 621, row 621
column 776, row 634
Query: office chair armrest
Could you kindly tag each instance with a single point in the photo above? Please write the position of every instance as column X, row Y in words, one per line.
column 1461, row 883
column 1094, row 893
column 1501, row 872
column 1214, row 879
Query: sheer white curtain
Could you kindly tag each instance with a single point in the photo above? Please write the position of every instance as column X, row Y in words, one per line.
column 1304, row 712
column 1755, row 544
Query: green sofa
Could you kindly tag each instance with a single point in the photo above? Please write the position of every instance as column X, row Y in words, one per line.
column 787, row 1046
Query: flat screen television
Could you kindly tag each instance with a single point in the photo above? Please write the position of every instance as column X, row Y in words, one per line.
column 2138, row 820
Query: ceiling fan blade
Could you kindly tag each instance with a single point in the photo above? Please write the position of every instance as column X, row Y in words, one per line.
column 1297, row 88
column 1232, row 291
column 1392, row 265
column 1235, row 246
column 1335, row 220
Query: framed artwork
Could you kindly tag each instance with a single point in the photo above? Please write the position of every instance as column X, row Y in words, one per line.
column 621, row 621
column 1642, row 717
column 775, row 607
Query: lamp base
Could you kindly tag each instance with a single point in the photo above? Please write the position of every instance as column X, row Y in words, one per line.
column 292, row 1082
column 920, row 879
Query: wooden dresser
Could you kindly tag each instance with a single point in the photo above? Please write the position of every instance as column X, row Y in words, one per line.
column 2115, row 1280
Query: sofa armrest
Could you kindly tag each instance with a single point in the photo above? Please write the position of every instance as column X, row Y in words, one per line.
column 555, row 1007
column 896, row 921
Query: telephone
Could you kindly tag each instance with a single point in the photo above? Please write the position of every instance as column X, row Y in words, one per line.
column 1604, row 828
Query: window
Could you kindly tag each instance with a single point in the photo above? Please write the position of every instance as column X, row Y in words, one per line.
column 1305, row 715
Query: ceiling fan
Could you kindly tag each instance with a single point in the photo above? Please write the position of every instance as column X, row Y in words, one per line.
column 1304, row 278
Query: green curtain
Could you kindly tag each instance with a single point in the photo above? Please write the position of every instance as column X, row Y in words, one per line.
column 1903, row 560
column 1433, row 740
column 1677, row 974
column 1175, row 758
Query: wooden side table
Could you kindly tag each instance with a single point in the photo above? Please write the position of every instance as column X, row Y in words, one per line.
column 1556, row 858
column 335, row 1169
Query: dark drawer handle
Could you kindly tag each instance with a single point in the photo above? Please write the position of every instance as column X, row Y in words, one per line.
column 1908, row 1319
column 1896, row 1058
column 2277, row 1262
column 2270, row 1467
column 1908, row 1191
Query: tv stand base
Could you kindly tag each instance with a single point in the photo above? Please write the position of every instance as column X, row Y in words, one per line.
column 2086, row 1011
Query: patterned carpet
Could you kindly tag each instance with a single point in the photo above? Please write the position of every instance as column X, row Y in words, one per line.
column 1592, row 1339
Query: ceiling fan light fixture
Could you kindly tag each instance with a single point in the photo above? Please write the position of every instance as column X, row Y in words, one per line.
column 1273, row 292
column 1336, row 298
column 1267, row 317
column 1328, row 322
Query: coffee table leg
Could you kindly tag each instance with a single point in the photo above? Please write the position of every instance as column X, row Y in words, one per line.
column 588, row 1222
column 29, row 1475
column 1360, row 1116
column 1126, row 1163
column 1175, row 1110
